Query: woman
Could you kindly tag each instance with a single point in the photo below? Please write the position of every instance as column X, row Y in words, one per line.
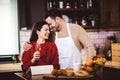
column 43, row 51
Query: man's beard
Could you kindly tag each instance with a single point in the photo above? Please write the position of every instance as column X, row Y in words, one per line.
column 54, row 29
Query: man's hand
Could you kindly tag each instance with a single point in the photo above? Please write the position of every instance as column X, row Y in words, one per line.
column 27, row 46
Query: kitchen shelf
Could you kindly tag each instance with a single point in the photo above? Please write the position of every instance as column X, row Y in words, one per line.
column 90, row 7
column 103, row 28
column 73, row 9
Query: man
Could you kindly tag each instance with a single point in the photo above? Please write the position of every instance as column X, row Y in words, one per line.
column 70, row 40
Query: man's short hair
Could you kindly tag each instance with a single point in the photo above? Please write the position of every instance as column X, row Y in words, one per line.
column 53, row 13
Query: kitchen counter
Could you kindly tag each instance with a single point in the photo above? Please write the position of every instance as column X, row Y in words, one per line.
column 10, row 67
column 112, row 64
column 111, row 70
column 25, row 76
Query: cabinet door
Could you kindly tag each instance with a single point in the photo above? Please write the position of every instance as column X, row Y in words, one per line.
column 31, row 11
column 110, row 12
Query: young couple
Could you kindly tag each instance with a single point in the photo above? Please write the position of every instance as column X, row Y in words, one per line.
column 69, row 40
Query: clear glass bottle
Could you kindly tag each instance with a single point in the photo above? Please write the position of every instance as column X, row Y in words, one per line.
column 109, row 54
column 54, row 4
column 50, row 4
column 14, row 58
column 61, row 4
column 75, row 5
column 112, row 40
column 76, row 20
column 81, row 3
column 89, row 3
column 68, row 5
column 83, row 22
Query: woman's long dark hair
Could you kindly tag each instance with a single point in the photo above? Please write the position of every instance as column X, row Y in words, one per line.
column 36, row 27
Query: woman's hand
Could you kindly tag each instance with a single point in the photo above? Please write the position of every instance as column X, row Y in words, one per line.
column 36, row 57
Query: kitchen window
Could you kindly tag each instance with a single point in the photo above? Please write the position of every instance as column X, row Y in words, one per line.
column 9, row 41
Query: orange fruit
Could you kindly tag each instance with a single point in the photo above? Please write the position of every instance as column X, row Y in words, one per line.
column 90, row 69
column 89, row 62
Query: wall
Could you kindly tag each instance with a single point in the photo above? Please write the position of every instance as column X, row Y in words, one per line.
column 98, row 38
column 24, row 36
column 30, row 12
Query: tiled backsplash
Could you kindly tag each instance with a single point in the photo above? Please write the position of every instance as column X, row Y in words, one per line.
column 24, row 36
column 98, row 38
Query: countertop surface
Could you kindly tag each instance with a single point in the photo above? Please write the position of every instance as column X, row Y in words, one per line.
column 112, row 64
column 17, row 67
column 10, row 67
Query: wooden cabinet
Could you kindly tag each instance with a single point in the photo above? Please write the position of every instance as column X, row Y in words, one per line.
column 110, row 12
column 31, row 11
column 106, row 13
